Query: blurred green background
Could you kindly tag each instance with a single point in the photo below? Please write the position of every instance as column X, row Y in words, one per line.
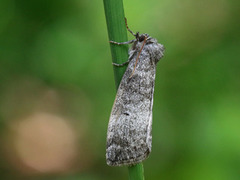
column 57, row 89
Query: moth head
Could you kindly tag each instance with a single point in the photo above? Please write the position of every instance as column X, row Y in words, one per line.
column 141, row 37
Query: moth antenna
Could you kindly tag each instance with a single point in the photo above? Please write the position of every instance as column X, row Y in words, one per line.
column 128, row 28
column 145, row 38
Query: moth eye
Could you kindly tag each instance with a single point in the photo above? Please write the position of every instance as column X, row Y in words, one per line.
column 141, row 38
column 127, row 114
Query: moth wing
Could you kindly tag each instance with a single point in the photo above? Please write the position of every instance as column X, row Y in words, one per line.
column 129, row 131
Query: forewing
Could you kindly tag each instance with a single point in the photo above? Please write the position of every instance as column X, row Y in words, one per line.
column 129, row 130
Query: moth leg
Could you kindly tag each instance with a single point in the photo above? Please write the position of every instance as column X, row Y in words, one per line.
column 120, row 43
column 120, row 65
column 129, row 59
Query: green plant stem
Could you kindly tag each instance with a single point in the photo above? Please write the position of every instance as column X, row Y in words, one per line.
column 136, row 172
column 117, row 32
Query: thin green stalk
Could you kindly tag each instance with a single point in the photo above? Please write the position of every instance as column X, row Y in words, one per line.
column 116, row 32
column 114, row 13
column 136, row 172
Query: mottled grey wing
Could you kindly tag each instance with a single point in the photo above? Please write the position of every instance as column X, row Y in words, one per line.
column 129, row 136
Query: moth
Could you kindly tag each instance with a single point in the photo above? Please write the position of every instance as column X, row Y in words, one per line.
column 129, row 135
